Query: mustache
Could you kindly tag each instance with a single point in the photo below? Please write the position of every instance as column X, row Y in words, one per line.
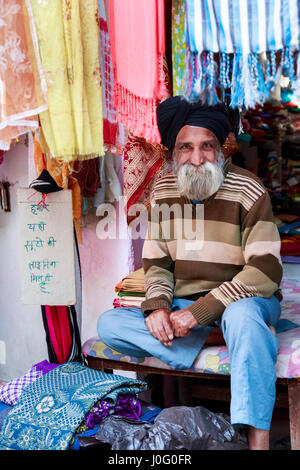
column 200, row 181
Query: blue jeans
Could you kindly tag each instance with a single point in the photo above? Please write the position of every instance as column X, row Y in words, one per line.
column 251, row 344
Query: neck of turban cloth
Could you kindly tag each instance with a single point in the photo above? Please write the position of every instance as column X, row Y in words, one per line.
column 175, row 113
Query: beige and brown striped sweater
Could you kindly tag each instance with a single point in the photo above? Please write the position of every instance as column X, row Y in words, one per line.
column 237, row 254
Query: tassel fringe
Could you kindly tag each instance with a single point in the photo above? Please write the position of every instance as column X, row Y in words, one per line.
column 138, row 114
column 246, row 78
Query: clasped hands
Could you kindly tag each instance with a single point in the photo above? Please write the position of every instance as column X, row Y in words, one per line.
column 165, row 326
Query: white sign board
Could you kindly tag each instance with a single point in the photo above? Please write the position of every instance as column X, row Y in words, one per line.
column 46, row 247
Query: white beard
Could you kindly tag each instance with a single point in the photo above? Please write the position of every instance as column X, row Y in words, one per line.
column 199, row 182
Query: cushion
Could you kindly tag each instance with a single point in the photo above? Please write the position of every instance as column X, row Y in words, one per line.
column 215, row 359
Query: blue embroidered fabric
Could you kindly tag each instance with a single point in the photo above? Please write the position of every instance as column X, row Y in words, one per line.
column 50, row 410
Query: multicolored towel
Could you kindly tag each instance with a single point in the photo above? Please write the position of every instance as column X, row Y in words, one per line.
column 50, row 410
column 239, row 32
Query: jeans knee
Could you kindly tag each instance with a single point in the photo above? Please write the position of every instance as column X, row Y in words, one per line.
column 241, row 315
column 105, row 324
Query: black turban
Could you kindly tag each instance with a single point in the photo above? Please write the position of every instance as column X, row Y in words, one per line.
column 176, row 112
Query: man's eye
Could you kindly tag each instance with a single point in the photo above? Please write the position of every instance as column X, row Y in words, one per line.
column 207, row 145
column 185, row 147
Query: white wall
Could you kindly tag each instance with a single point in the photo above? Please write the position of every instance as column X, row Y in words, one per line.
column 103, row 264
column 22, row 337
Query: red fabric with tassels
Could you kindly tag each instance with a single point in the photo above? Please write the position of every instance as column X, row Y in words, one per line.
column 137, row 34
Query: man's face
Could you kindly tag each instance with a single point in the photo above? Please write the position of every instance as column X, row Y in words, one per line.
column 195, row 145
column 198, row 162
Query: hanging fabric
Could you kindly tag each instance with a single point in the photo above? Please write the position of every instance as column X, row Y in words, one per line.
column 60, row 171
column 144, row 165
column 68, row 38
column 137, row 33
column 242, row 45
column 87, row 173
column 62, row 333
column 56, row 324
column 23, row 90
column 178, row 46
column 110, row 125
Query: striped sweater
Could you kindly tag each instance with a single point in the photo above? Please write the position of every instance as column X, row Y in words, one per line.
column 234, row 254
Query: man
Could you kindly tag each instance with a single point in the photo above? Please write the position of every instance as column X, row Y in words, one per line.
column 225, row 273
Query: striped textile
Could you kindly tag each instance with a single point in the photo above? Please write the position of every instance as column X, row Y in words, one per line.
column 235, row 254
column 242, row 25
column 240, row 30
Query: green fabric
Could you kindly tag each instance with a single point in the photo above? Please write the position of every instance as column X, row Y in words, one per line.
column 178, row 46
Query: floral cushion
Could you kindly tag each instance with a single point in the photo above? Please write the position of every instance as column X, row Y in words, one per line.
column 215, row 359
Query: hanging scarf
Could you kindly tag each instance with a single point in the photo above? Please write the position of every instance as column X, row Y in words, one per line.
column 87, row 173
column 60, row 171
column 137, row 33
column 178, row 46
column 62, row 333
column 68, row 38
column 144, row 165
column 23, row 90
column 110, row 125
column 226, row 40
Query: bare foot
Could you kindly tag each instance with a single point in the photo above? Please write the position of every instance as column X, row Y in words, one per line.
column 258, row 439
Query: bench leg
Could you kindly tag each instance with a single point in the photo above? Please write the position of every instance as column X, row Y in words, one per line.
column 294, row 412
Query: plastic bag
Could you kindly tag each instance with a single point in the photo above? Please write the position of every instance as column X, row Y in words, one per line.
column 175, row 428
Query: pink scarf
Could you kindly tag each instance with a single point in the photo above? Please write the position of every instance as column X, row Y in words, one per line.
column 137, row 33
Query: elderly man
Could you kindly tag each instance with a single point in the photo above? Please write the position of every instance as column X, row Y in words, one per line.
column 213, row 260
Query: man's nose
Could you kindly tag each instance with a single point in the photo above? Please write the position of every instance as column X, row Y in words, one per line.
column 197, row 157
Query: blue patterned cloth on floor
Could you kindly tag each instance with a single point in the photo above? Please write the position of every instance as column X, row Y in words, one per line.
column 50, row 410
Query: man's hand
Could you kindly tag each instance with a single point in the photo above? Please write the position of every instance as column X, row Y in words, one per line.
column 159, row 325
column 182, row 322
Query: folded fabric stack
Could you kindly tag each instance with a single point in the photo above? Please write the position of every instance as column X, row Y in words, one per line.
column 290, row 240
column 131, row 290
column 51, row 404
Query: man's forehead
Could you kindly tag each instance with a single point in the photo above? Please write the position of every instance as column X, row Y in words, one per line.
column 195, row 132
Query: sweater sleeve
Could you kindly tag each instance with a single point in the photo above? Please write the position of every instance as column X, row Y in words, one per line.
column 158, row 269
column 262, row 272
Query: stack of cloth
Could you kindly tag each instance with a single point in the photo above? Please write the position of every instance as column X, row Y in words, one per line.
column 131, row 290
column 291, row 169
column 53, row 404
column 289, row 230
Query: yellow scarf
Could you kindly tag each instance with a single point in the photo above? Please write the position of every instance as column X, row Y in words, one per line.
column 68, row 38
